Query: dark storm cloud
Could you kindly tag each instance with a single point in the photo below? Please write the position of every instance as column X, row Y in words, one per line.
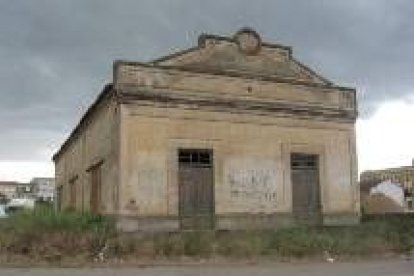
column 56, row 55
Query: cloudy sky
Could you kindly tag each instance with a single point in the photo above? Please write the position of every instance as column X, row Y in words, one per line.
column 55, row 56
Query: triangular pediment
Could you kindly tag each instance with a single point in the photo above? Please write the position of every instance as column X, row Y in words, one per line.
column 244, row 53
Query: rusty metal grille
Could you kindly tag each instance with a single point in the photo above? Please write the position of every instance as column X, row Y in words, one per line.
column 300, row 161
column 195, row 157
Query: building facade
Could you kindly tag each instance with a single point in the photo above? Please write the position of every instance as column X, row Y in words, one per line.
column 43, row 188
column 13, row 189
column 233, row 133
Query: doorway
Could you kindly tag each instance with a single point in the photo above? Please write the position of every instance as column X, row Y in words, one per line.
column 306, row 203
column 196, row 188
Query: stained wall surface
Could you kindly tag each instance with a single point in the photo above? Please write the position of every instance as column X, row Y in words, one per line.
column 95, row 143
column 251, row 160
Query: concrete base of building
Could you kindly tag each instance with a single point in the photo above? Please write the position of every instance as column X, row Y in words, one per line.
column 341, row 219
column 228, row 222
column 253, row 221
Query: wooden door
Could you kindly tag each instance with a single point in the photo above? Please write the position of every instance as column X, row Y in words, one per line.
column 305, row 188
column 196, row 189
column 95, row 193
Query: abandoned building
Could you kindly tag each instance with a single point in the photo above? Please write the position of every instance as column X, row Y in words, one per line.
column 233, row 133
column 403, row 176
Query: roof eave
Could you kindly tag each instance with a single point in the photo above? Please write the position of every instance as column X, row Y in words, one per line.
column 108, row 90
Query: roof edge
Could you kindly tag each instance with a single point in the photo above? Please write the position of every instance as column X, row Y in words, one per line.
column 388, row 169
column 174, row 54
column 106, row 91
column 205, row 36
column 311, row 71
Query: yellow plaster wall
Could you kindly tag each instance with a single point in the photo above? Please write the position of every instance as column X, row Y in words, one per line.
column 96, row 142
column 245, row 146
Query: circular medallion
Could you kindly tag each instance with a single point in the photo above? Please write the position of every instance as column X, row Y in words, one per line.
column 248, row 40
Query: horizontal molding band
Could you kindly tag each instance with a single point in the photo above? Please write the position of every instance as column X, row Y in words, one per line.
column 170, row 100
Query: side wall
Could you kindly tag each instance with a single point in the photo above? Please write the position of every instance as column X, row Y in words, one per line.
column 96, row 143
column 251, row 163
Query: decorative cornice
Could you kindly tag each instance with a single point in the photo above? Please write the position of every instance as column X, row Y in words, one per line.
column 239, row 105
column 229, row 73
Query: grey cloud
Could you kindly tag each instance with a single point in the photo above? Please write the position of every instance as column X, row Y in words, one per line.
column 56, row 55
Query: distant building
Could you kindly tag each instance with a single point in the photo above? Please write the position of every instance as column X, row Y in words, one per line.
column 43, row 188
column 404, row 176
column 8, row 189
column 24, row 190
column 13, row 189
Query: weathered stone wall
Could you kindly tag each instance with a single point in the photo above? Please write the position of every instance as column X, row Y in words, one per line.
column 251, row 160
column 96, row 142
column 402, row 175
column 251, row 146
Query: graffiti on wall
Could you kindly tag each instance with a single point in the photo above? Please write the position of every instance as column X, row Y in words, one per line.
column 253, row 185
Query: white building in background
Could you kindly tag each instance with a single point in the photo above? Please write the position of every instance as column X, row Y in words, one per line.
column 391, row 190
column 43, row 188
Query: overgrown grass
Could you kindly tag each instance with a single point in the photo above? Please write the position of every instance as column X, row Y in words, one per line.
column 46, row 219
column 377, row 237
column 43, row 234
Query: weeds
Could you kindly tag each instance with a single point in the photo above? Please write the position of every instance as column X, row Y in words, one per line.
column 44, row 232
column 47, row 235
